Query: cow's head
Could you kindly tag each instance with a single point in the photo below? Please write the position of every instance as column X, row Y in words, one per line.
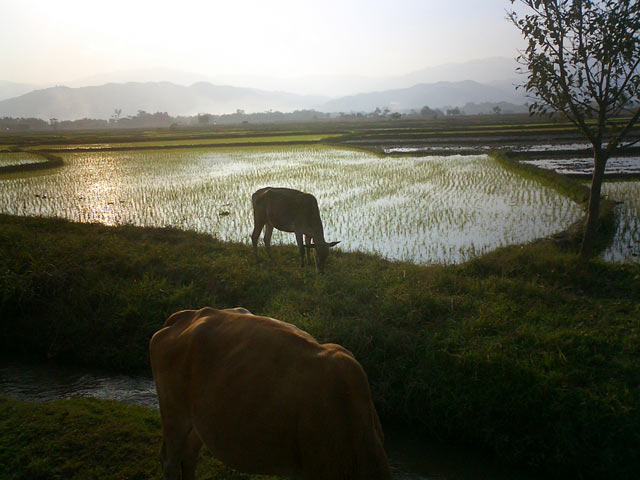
column 322, row 252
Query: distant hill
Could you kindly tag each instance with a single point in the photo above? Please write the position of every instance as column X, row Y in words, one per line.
column 10, row 89
column 500, row 70
column 435, row 95
column 484, row 83
column 66, row 103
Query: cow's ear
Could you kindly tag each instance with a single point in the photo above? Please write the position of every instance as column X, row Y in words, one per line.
column 310, row 246
column 333, row 244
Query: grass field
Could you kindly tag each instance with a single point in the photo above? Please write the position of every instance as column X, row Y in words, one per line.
column 525, row 351
column 87, row 438
column 469, row 126
column 18, row 158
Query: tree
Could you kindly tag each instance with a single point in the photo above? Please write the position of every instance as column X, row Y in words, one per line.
column 427, row 111
column 115, row 116
column 582, row 60
column 204, row 118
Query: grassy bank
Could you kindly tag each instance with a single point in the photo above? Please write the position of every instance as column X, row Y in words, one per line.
column 86, row 438
column 50, row 161
column 525, row 351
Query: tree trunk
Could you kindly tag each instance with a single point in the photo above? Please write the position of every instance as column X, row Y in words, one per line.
column 593, row 209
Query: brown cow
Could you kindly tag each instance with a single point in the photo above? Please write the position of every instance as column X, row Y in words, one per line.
column 290, row 211
column 264, row 397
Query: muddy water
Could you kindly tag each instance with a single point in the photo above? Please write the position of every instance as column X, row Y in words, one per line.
column 411, row 457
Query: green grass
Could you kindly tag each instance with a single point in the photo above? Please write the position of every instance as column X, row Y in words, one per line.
column 86, row 438
column 181, row 143
column 235, row 133
column 43, row 161
column 510, row 125
column 525, row 351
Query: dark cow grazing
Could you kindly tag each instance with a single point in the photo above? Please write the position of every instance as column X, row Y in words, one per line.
column 290, row 211
column 264, row 397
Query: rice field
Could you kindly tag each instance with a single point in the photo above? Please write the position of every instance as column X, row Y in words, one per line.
column 584, row 166
column 422, row 209
column 185, row 142
column 18, row 158
column 626, row 242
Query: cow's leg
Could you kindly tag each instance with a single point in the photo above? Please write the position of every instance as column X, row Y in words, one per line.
column 307, row 242
column 190, row 456
column 170, row 466
column 174, row 446
column 268, row 231
column 300, row 247
column 255, row 236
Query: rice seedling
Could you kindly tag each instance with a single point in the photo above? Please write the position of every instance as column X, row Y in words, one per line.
column 18, row 158
column 422, row 209
column 626, row 241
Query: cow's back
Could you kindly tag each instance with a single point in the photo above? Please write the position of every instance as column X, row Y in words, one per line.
column 287, row 209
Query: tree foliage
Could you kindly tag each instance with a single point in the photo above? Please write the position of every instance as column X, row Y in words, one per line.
column 582, row 59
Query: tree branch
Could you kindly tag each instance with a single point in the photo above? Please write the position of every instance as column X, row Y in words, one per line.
column 613, row 142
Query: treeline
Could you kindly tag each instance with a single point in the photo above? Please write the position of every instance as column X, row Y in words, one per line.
column 143, row 119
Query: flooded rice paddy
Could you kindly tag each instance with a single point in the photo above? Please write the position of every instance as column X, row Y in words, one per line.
column 626, row 241
column 584, row 166
column 487, row 147
column 421, row 209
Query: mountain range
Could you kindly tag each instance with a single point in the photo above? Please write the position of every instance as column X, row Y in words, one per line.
column 488, row 85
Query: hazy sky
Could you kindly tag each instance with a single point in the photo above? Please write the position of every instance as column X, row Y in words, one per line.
column 56, row 41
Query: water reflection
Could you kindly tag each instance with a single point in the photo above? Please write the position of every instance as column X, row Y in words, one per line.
column 584, row 166
column 42, row 383
column 102, row 185
column 626, row 241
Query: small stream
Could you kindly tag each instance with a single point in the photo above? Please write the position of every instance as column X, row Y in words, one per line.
column 411, row 457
